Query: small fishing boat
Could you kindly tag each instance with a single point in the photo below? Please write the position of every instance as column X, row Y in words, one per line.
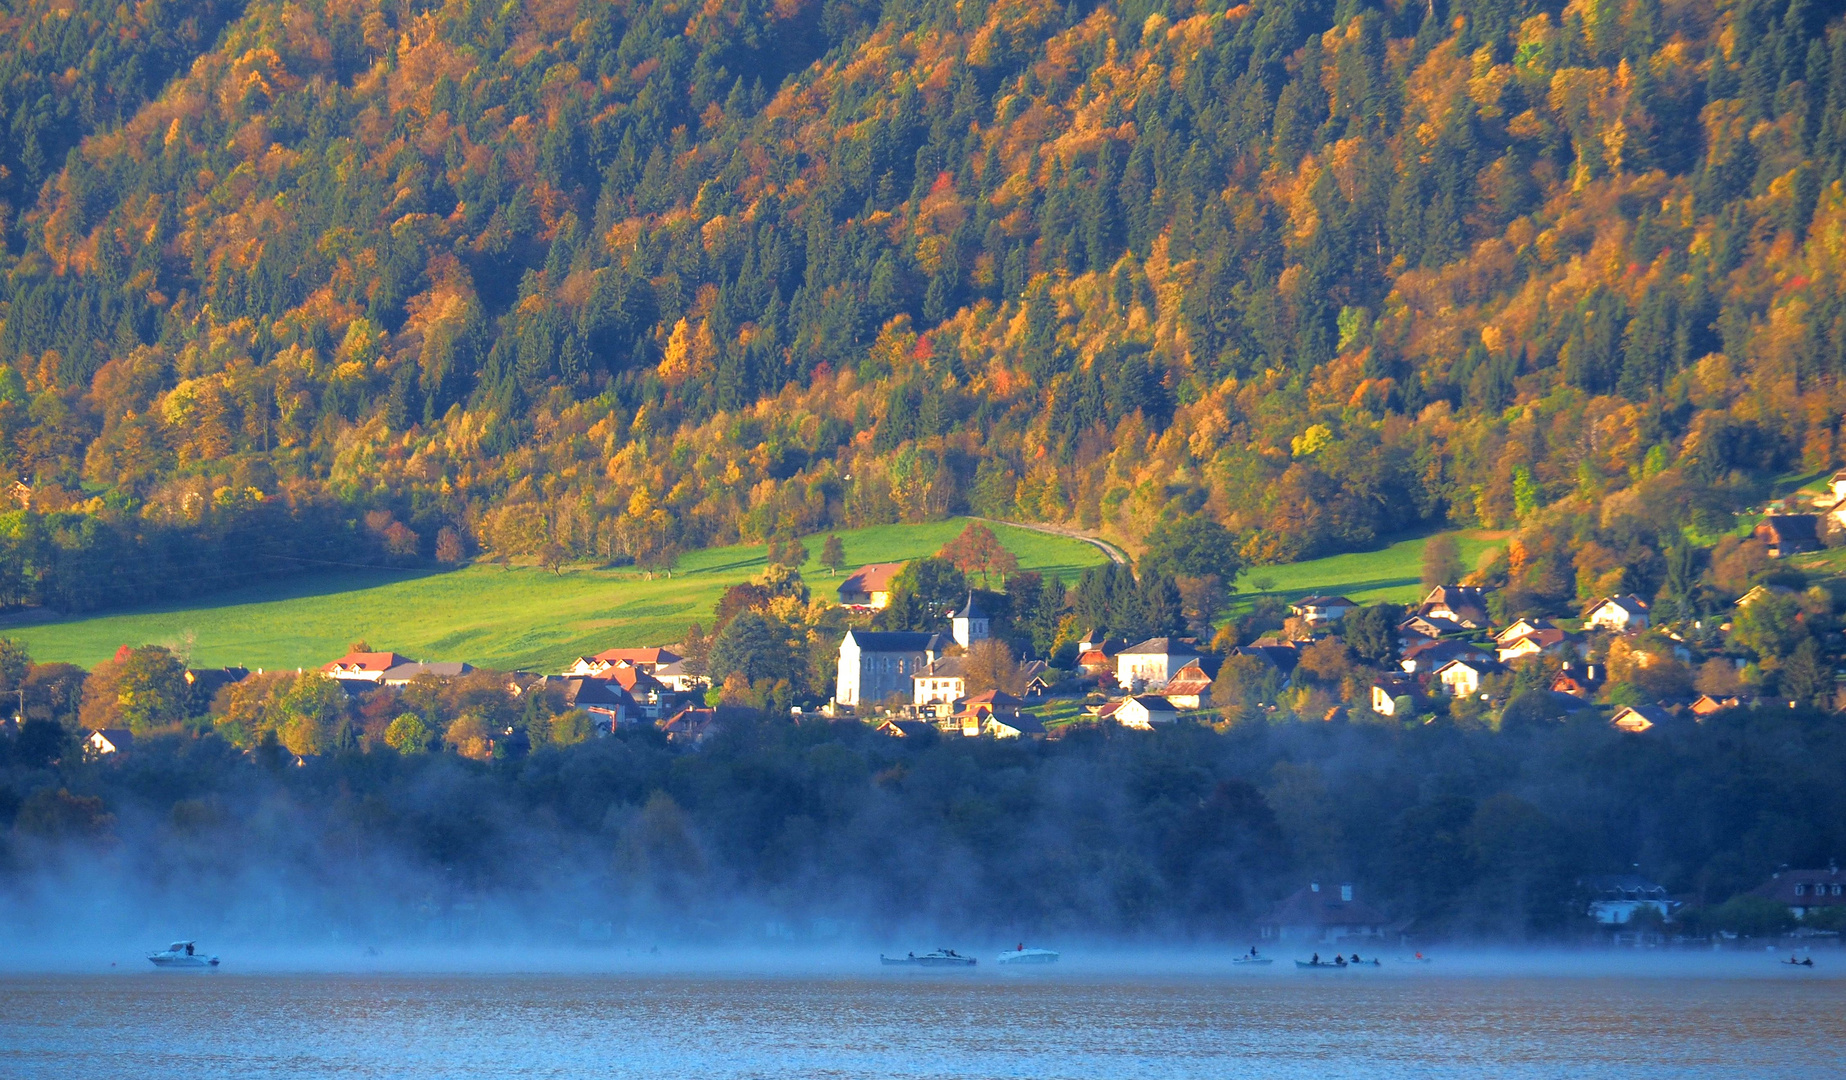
column 1419, row 958
column 1023, row 955
column 1251, row 961
column 182, row 954
column 1321, row 965
column 948, row 958
column 1806, row 962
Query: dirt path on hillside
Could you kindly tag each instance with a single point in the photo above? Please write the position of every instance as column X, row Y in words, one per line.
column 1116, row 555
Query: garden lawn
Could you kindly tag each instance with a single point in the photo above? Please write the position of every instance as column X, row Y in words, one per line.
column 1392, row 574
column 490, row 616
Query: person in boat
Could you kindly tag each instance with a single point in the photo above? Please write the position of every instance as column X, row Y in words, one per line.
column 913, row 954
column 189, row 948
column 1252, row 952
column 1355, row 958
column 1316, row 959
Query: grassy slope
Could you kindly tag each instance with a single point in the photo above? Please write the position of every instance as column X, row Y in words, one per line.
column 1393, row 573
column 488, row 615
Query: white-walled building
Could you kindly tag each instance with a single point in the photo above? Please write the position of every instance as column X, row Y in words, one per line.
column 1151, row 663
column 877, row 664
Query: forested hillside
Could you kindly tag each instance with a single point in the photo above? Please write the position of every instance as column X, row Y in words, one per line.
column 620, row 279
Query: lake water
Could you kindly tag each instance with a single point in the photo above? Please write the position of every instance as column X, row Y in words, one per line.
column 1743, row 1017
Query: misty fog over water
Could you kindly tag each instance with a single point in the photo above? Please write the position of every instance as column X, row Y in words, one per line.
column 1119, row 1014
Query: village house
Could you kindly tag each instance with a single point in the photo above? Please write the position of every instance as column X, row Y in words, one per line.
column 1321, row 610
column 943, row 681
column 1388, row 689
column 1428, row 656
column 1282, row 657
column 1019, row 725
column 1617, row 613
column 692, row 726
column 1580, row 682
column 1520, row 628
column 607, row 704
column 869, row 587
column 363, row 666
column 1144, row 711
column 1464, row 604
column 1039, row 676
column 1635, row 719
column 1190, row 687
column 1537, row 643
column 649, row 694
column 877, row 664
column 975, row 711
column 1614, row 898
column 1151, row 663
column 1096, row 658
column 104, row 741
column 648, row 660
column 1705, row 705
column 1805, row 891
column 1789, row 534
column 206, row 682
column 1761, row 592
column 1462, row 678
column 405, row 674
column 906, row 729
column 677, row 679
column 1313, row 916
column 1418, row 628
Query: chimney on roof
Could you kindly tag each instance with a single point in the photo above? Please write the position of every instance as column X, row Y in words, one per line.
column 1346, row 893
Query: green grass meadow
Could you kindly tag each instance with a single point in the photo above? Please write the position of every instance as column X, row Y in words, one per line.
column 1393, row 573
column 488, row 615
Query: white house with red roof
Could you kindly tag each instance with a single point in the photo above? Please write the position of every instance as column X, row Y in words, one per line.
column 364, row 666
column 869, row 586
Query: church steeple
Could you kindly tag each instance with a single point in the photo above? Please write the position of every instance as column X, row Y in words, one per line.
column 970, row 624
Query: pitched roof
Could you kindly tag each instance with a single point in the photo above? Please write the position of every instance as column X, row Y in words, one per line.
column 1160, row 646
column 602, row 693
column 871, row 578
column 1308, row 907
column 943, row 667
column 1322, row 602
column 1640, row 717
column 1191, row 679
column 442, row 669
column 1781, row 887
column 992, row 697
column 1437, row 653
column 1482, row 667
column 1150, row 702
column 631, row 679
column 970, row 610
column 1024, row 723
column 368, row 662
column 1630, row 603
column 905, row 729
column 896, row 641
column 651, row 655
column 1796, row 527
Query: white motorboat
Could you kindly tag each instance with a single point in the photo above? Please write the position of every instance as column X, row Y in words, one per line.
column 1023, row 955
column 940, row 958
column 182, row 954
column 1251, row 961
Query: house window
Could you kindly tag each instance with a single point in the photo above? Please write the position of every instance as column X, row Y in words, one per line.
column 1836, row 890
column 1801, row 890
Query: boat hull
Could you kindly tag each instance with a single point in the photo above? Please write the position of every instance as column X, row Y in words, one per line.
column 1028, row 957
column 1253, row 961
column 174, row 963
column 928, row 961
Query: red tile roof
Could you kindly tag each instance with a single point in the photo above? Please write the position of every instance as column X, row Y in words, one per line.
column 366, row 661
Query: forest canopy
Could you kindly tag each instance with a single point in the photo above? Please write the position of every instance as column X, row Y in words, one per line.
column 588, row 279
